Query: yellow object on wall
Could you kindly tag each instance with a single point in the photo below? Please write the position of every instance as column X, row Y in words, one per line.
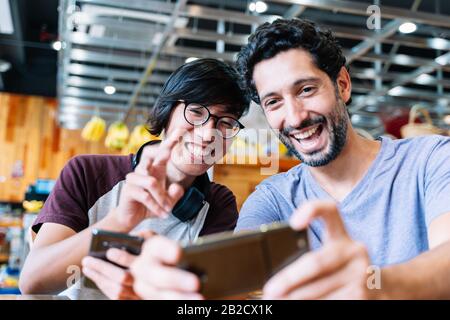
column 117, row 136
column 94, row 129
column 138, row 137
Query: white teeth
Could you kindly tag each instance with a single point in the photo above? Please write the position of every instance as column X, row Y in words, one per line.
column 306, row 134
column 198, row 151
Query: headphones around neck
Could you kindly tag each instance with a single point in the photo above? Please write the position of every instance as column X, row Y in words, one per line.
column 193, row 199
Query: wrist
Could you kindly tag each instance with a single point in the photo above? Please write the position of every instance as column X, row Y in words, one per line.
column 396, row 283
column 112, row 222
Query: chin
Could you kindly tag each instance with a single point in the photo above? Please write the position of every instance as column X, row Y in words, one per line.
column 193, row 169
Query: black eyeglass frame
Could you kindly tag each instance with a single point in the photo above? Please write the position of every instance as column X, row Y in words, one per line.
column 216, row 118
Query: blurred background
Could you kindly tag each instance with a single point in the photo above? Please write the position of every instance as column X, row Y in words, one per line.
column 80, row 77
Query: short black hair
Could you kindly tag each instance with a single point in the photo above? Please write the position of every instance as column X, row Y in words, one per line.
column 270, row 39
column 204, row 81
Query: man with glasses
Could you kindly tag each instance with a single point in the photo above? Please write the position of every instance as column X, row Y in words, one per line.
column 164, row 189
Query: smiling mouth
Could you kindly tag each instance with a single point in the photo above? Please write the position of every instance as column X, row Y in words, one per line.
column 309, row 133
column 199, row 151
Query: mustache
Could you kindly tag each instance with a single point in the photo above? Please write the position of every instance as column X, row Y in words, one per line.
column 305, row 123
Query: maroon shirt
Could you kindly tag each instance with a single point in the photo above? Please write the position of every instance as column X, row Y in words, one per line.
column 86, row 178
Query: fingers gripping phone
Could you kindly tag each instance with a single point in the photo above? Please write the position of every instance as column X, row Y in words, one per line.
column 230, row 264
column 103, row 240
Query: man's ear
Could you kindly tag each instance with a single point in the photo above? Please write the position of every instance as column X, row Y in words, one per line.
column 344, row 84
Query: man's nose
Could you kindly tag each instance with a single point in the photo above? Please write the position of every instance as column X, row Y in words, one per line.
column 295, row 113
column 208, row 130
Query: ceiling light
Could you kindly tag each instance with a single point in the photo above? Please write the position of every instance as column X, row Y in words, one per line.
column 257, row 6
column 4, row 66
column 407, row 27
column 447, row 119
column 443, row 60
column 260, row 6
column 6, row 22
column 57, row 45
column 424, row 79
column 397, row 91
column 109, row 89
column 439, row 43
column 190, row 59
column 403, row 59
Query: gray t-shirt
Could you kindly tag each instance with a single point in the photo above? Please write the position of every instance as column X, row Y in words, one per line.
column 389, row 210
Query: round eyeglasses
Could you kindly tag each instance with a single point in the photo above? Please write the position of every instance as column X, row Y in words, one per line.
column 197, row 115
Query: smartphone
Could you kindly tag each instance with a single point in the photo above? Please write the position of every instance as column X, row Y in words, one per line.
column 231, row 264
column 103, row 240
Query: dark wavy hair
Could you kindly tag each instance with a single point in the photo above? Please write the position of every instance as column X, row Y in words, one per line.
column 270, row 39
column 204, row 81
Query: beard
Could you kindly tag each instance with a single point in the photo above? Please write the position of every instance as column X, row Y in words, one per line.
column 336, row 124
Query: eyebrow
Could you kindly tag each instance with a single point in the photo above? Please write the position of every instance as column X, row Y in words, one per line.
column 223, row 112
column 296, row 83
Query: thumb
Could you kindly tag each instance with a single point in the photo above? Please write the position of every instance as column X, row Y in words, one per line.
column 175, row 192
column 326, row 210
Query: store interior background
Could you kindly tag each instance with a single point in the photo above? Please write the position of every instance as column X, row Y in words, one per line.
column 57, row 59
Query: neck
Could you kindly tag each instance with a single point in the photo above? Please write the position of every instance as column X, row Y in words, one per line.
column 174, row 175
column 342, row 174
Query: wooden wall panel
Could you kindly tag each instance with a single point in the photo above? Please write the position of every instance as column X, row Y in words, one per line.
column 29, row 133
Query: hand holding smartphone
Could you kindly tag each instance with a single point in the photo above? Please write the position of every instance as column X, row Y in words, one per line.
column 229, row 264
column 103, row 240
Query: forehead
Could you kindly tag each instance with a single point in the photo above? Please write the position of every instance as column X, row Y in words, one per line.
column 284, row 69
